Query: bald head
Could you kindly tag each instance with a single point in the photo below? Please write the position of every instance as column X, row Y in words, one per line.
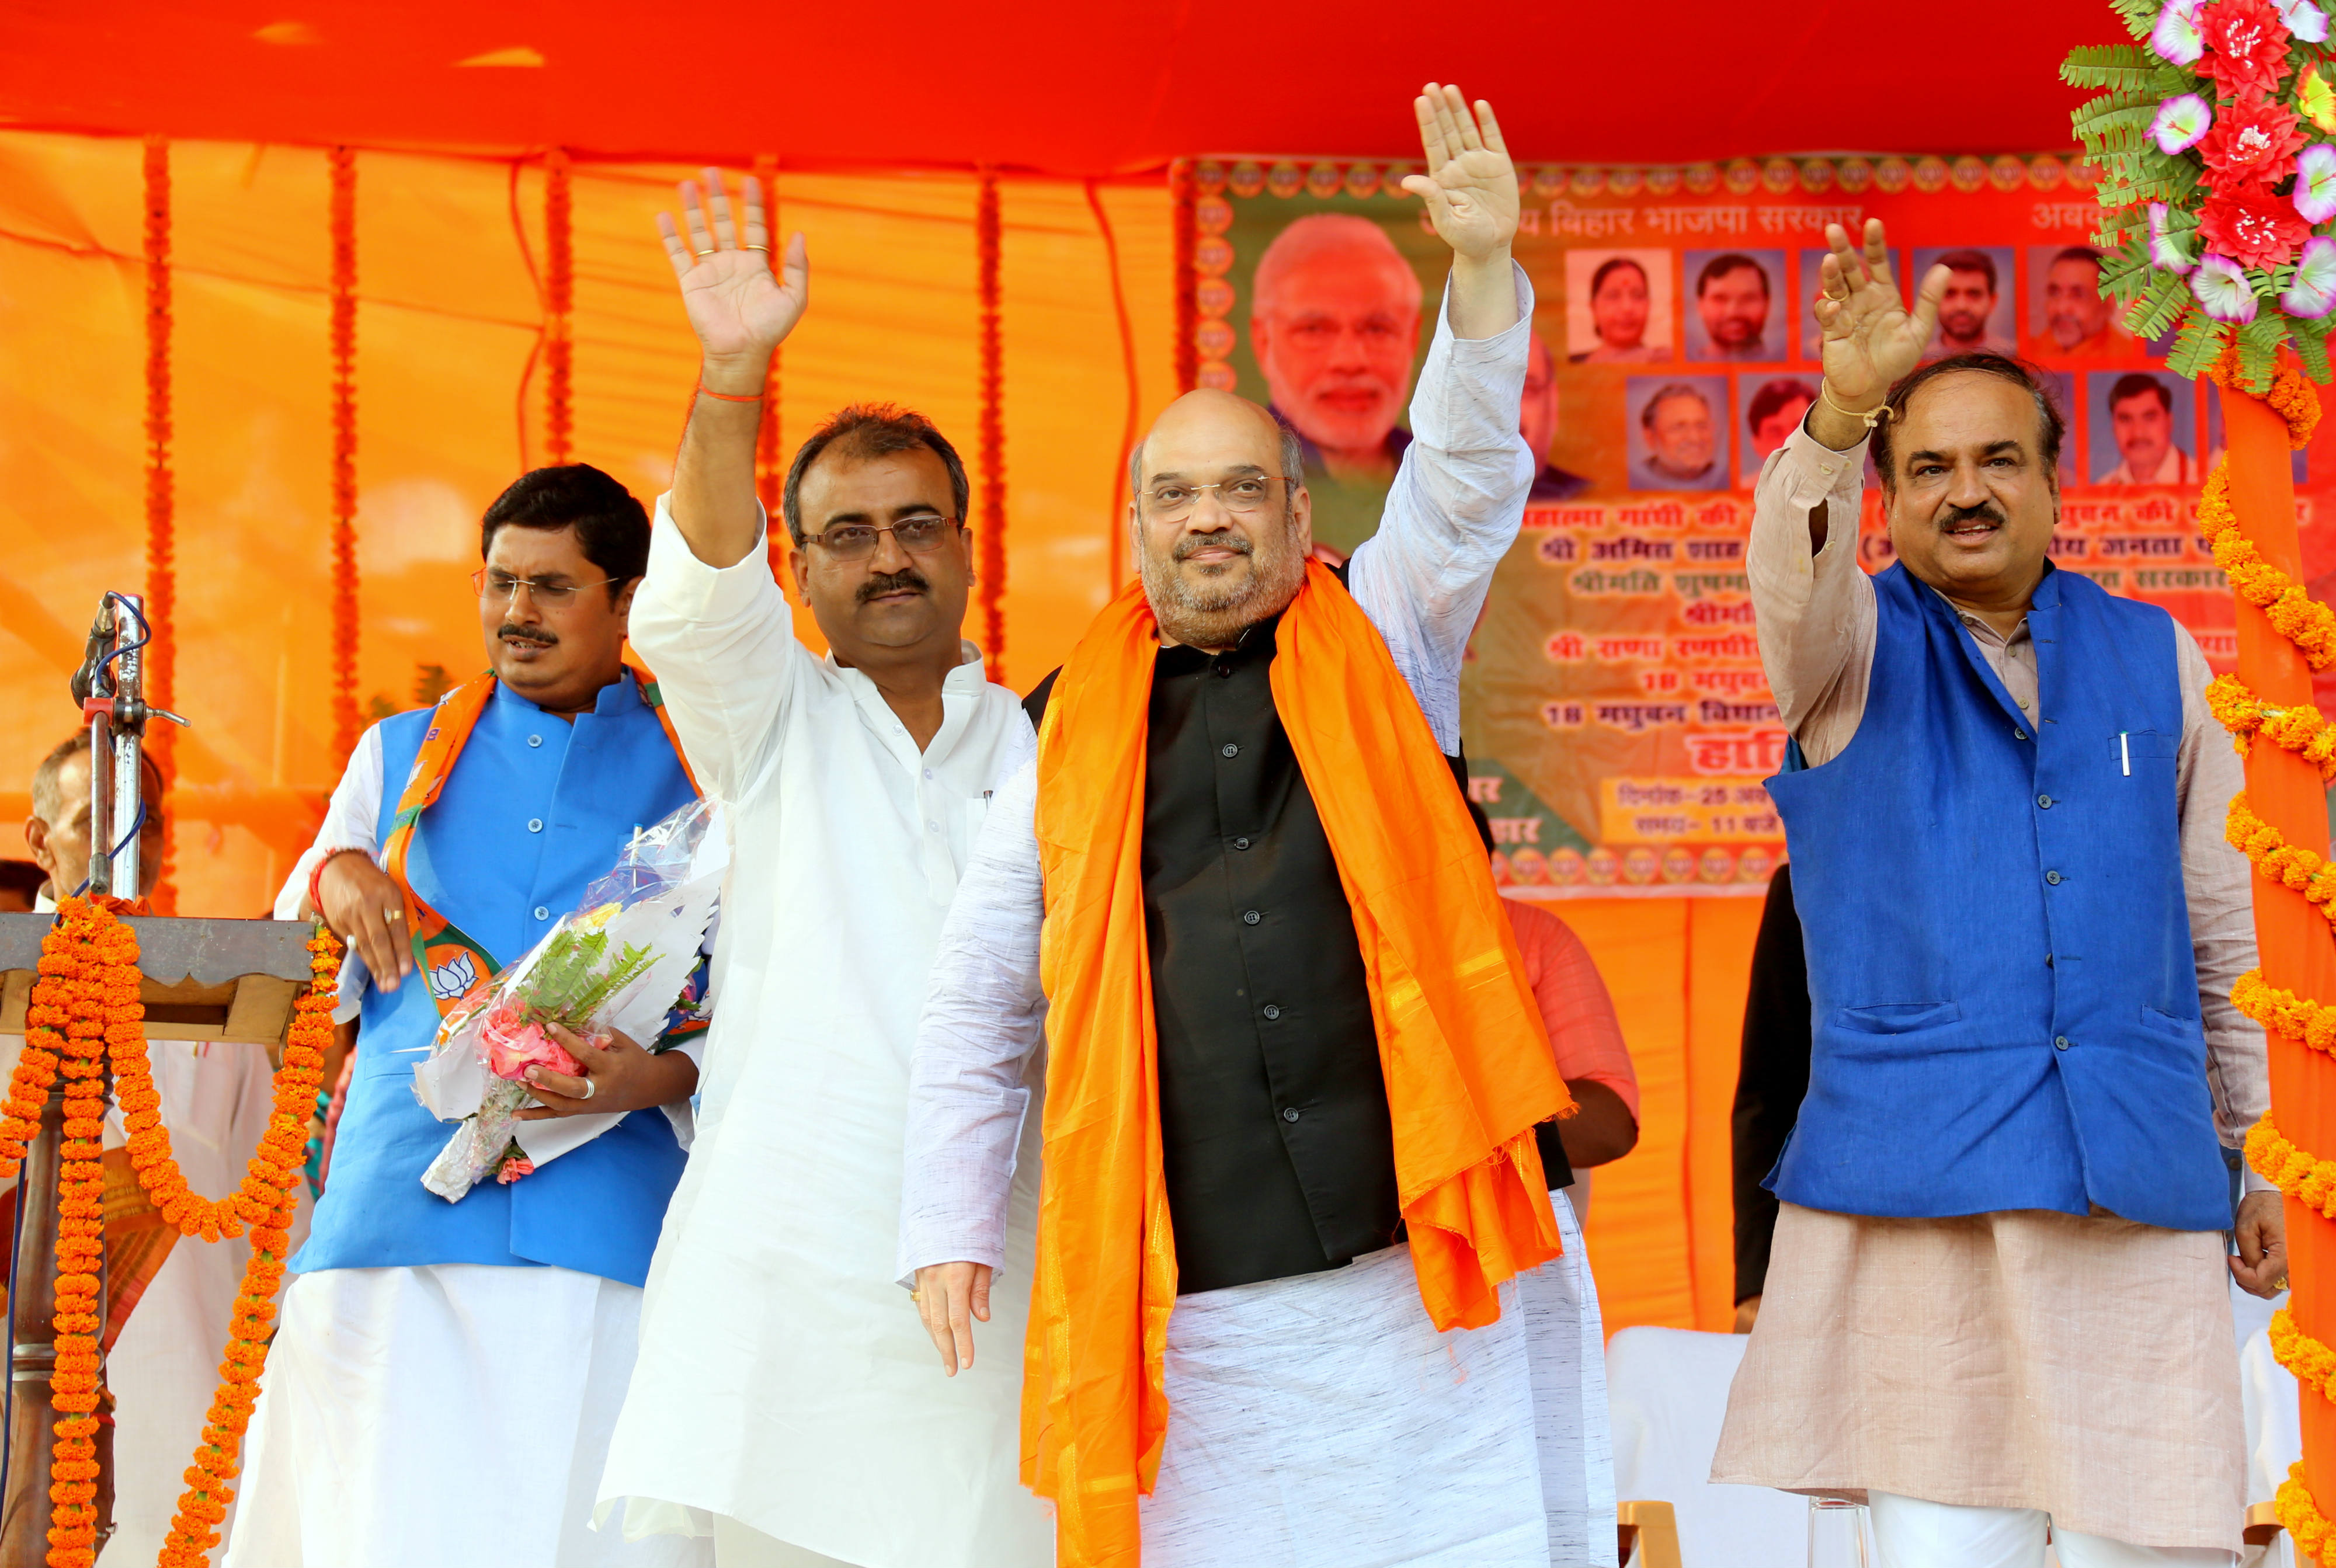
column 1334, row 318
column 1212, row 421
column 1220, row 518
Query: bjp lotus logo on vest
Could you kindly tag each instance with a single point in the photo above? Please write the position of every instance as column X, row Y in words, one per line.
column 453, row 978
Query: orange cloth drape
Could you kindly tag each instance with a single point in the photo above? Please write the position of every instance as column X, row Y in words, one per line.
column 1467, row 1063
column 2291, row 935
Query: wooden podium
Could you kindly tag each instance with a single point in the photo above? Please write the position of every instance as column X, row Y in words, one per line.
column 227, row 981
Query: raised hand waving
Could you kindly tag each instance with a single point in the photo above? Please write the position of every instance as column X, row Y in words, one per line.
column 1470, row 186
column 740, row 310
column 1871, row 339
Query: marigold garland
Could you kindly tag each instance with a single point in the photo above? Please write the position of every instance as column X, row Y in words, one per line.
column 2309, row 625
column 162, row 569
column 2292, row 865
column 2300, row 1517
column 347, row 724
column 559, row 304
column 2313, row 1362
column 83, row 1013
column 2298, row 1172
column 2284, row 1013
column 2303, row 729
column 2295, row 614
column 988, row 232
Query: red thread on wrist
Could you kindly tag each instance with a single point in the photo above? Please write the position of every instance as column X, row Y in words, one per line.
column 729, row 396
column 316, row 877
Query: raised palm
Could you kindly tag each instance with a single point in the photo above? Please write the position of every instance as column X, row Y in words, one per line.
column 1871, row 339
column 737, row 307
column 1470, row 186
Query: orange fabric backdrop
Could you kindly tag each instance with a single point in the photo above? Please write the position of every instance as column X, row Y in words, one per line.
column 449, row 410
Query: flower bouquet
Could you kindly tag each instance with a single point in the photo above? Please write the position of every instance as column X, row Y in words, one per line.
column 627, row 961
column 2213, row 134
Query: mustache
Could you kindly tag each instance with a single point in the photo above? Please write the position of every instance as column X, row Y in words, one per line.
column 1191, row 543
column 518, row 633
column 907, row 580
column 1985, row 511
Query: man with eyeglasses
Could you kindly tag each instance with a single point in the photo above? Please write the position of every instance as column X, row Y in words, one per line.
column 783, row 1402
column 1301, row 1296
column 446, row 1376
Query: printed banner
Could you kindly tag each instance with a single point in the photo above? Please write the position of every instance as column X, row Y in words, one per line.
column 1618, row 722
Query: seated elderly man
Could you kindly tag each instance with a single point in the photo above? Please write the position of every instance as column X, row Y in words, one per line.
column 1998, row 1299
column 168, row 1302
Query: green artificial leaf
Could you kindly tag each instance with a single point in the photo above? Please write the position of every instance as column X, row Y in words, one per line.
column 2164, row 301
column 2125, row 271
column 2119, row 117
column 2117, row 66
column 2259, row 342
column 2139, row 16
column 2200, row 345
column 2311, row 349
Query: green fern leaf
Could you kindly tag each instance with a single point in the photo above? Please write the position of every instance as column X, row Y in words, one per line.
column 2113, row 65
column 2200, row 345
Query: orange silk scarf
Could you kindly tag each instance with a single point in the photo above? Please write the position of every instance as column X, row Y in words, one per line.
column 1466, row 1062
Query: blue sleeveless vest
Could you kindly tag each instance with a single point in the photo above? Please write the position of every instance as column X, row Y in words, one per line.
column 2004, row 1001
column 535, row 810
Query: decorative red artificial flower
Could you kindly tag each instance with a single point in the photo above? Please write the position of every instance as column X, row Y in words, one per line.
column 2252, row 145
column 2247, row 45
column 2252, row 227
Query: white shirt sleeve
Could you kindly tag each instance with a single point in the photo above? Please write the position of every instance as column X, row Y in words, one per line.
column 980, row 1046
column 1813, row 608
column 352, row 821
column 1458, row 499
column 721, row 642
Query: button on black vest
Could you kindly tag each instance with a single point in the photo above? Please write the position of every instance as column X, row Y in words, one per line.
column 1273, row 1114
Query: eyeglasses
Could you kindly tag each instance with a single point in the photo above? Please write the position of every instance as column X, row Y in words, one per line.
column 490, row 584
column 1173, row 502
column 857, row 540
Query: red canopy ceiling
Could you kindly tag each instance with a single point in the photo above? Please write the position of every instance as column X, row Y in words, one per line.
column 1086, row 89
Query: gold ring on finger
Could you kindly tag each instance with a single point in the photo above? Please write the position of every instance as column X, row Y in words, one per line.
column 392, row 914
column 763, row 249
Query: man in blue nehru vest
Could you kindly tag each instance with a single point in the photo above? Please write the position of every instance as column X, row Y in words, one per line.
column 1996, row 1301
column 446, row 1378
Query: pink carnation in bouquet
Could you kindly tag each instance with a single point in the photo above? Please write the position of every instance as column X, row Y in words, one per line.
column 514, row 1042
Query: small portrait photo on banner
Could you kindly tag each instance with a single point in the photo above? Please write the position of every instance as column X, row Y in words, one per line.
column 1537, row 422
column 1736, row 306
column 1618, row 307
column 1774, row 406
column 1975, row 313
column 2060, row 386
column 2144, row 427
column 2066, row 316
column 1677, row 427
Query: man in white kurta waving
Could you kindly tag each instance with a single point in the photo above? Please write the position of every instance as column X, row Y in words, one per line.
column 783, row 1400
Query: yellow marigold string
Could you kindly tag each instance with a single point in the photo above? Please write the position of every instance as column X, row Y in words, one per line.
column 2303, row 729
column 2300, row 1515
column 2291, row 865
column 2301, row 1175
column 2284, row 1013
column 83, row 1013
column 2313, row 1363
column 2295, row 614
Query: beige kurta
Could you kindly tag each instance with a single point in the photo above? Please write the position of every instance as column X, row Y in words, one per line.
column 2080, row 1365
